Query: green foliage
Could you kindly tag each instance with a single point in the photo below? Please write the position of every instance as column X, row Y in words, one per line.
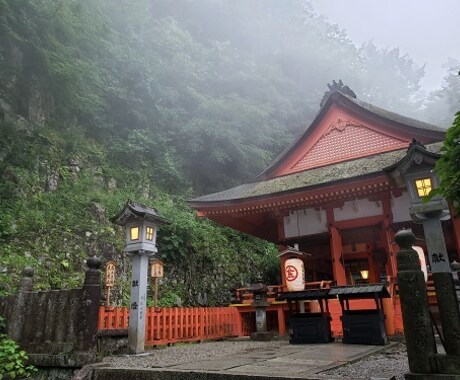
column 225, row 259
column 13, row 360
column 448, row 166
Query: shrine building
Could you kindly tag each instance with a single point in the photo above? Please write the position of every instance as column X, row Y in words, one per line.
column 338, row 194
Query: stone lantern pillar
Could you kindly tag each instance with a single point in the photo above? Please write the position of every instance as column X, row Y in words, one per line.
column 260, row 303
column 141, row 225
column 415, row 171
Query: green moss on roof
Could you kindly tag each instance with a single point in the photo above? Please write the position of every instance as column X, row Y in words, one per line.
column 313, row 177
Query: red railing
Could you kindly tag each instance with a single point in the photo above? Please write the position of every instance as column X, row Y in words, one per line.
column 171, row 325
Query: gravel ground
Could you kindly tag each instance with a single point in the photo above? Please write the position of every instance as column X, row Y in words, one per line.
column 390, row 363
column 187, row 352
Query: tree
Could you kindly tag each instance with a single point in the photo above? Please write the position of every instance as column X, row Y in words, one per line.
column 448, row 166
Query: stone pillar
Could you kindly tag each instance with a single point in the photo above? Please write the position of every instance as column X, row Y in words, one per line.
column 444, row 284
column 260, row 303
column 138, row 302
column 89, row 309
column 15, row 324
column 418, row 329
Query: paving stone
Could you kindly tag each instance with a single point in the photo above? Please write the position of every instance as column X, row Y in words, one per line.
column 279, row 370
column 213, row 365
column 299, row 361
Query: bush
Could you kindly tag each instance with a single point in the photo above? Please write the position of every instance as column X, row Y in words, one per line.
column 13, row 360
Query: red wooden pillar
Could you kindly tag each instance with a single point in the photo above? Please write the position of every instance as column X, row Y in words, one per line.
column 338, row 265
column 281, row 236
column 337, row 257
column 281, row 321
column 372, row 270
column 387, row 237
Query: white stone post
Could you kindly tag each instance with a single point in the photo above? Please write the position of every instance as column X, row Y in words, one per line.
column 138, row 302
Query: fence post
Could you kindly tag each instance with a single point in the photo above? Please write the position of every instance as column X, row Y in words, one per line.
column 16, row 321
column 88, row 313
column 418, row 330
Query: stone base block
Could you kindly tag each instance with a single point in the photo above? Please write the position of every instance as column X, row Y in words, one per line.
column 430, row 376
column 447, row 364
column 262, row 336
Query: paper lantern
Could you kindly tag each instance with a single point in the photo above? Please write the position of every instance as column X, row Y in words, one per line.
column 294, row 271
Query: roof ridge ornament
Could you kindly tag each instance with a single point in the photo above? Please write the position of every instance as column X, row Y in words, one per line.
column 337, row 87
column 415, row 143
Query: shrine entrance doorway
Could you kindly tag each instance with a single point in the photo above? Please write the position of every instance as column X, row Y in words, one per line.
column 364, row 256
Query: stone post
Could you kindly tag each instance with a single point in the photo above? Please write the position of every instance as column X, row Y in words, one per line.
column 89, row 310
column 418, row 329
column 138, row 300
column 16, row 318
column 444, row 284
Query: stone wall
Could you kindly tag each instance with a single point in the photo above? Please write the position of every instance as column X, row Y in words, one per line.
column 57, row 328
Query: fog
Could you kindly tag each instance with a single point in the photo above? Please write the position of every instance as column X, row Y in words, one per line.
column 425, row 30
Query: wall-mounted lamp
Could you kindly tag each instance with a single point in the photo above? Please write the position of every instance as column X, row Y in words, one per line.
column 364, row 274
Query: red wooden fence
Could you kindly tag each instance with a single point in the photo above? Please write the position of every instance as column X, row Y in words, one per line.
column 170, row 325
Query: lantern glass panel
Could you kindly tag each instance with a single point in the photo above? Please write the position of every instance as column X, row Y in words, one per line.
column 149, row 233
column 423, row 186
column 134, row 233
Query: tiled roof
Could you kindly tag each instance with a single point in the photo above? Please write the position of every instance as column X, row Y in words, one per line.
column 400, row 119
column 360, row 291
column 394, row 120
column 313, row 177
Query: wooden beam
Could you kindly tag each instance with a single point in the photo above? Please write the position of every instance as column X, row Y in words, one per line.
column 361, row 222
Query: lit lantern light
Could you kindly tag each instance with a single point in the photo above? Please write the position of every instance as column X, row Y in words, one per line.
column 364, row 274
column 134, row 233
column 423, row 186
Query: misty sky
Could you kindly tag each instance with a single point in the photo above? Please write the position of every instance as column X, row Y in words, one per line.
column 426, row 30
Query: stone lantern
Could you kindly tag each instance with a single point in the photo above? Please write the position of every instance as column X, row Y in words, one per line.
column 416, row 172
column 260, row 304
column 141, row 224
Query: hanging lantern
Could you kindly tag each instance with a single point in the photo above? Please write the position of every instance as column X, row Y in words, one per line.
column 294, row 271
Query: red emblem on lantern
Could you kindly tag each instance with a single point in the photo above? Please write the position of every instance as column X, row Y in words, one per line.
column 291, row 273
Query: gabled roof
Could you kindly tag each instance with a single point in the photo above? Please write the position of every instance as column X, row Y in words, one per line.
column 415, row 148
column 390, row 133
column 393, row 123
column 132, row 210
